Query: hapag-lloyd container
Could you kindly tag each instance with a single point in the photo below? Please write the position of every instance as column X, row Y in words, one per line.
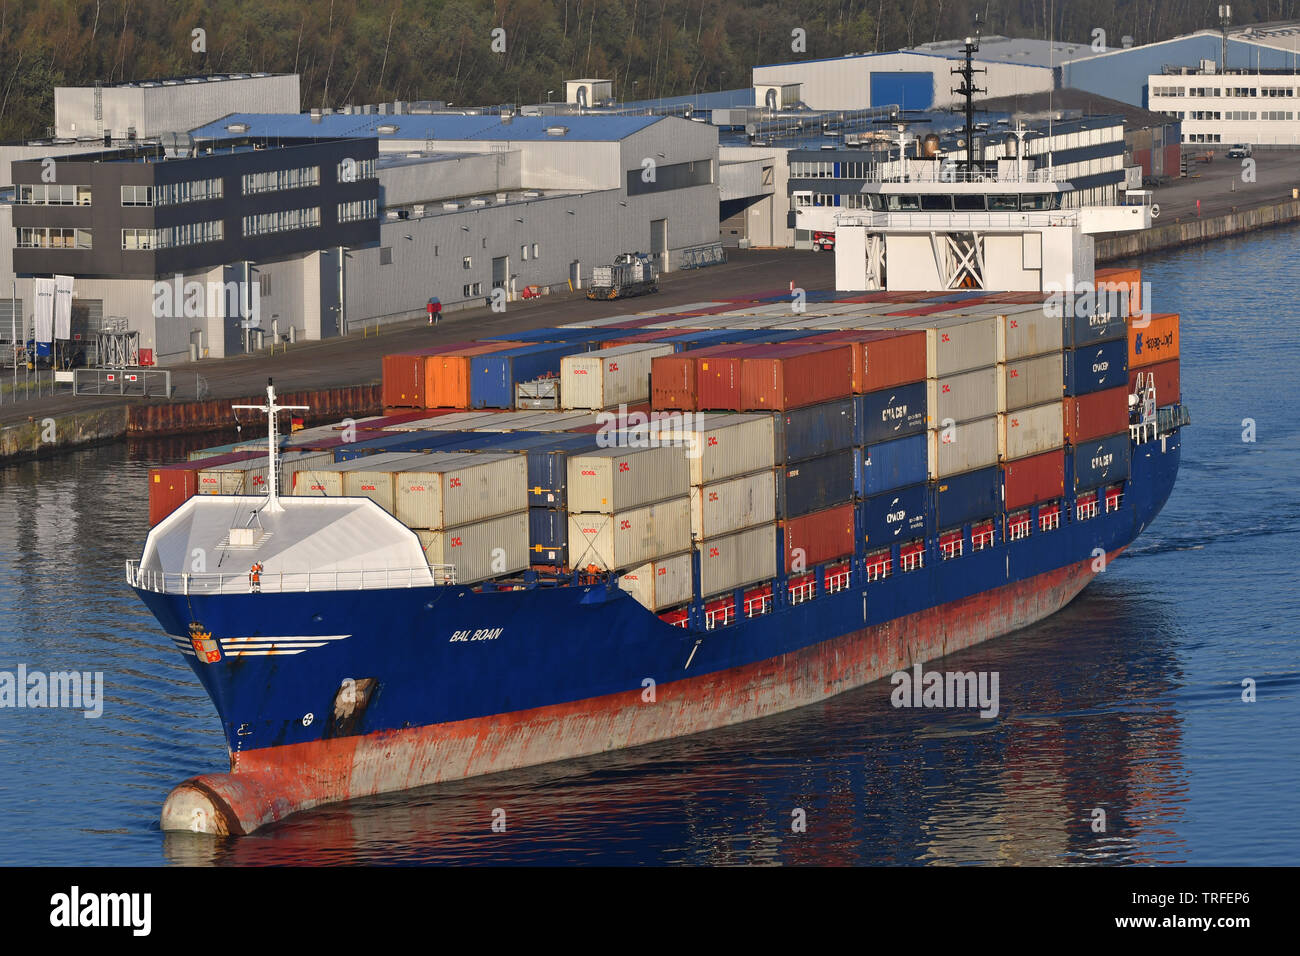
column 735, row 560
column 493, row 376
column 890, row 413
column 967, row 497
column 628, row 538
column 1031, row 431
column 1096, row 367
column 452, row 489
column 1028, row 481
column 1167, row 379
column 1033, row 381
column 965, row 396
column 548, row 536
column 606, row 377
column 659, row 584
column 885, row 466
column 882, row 358
column 815, row 484
column 327, row 479
column 1100, row 462
column 818, row 537
column 896, row 515
column 717, row 446
column 251, row 477
column 1096, row 414
column 1152, row 339
column 447, row 374
column 485, row 549
column 721, row 507
column 784, row 377
column 815, row 430
column 610, row 480
column 965, row 447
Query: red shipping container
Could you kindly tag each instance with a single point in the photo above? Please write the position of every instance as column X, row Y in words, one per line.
column 170, row 486
column 818, row 537
column 674, row 382
column 1096, row 415
column 883, row 358
column 1167, row 377
column 1034, row 479
column 782, row 377
column 403, row 375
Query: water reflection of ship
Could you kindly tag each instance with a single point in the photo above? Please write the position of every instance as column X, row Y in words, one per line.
column 1085, row 722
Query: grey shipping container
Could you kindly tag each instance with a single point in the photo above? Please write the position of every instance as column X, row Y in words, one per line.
column 615, row 479
column 451, row 489
column 1033, row 381
column 963, row 447
column 1031, row 431
column 736, row 560
column 482, row 550
column 327, row 479
column 631, row 537
column 659, row 584
column 722, row 507
column 965, row 396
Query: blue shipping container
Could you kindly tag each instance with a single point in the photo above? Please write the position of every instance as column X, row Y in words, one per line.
column 967, row 497
column 1097, row 367
column 898, row 515
column 1101, row 462
column 815, row 430
column 890, row 413
column 1081, row 331
column 815, row 484
column 891, row 464
column 493, row 376
column 548, row 530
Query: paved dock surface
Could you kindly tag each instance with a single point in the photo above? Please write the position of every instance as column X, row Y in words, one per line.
column 1219, row 185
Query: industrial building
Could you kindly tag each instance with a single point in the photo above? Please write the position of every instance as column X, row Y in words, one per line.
column 1260, row 108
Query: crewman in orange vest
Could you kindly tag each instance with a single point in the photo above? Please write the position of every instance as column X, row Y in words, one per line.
column 255, row 578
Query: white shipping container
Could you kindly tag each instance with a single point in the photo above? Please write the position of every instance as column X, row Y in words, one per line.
column 326, row 479
column 455, row 420
column 1033, row 381
column 736, row 560
column 564, row 422
column 1031, row 431
column 963, row 447
column 960, row 344
column 659, row 584
column 689, row 322
column 606, row 377
column 722, row 507
column 1029, row 331
column 482, row 550
column 250, row 477
column 450, row 489
column 608, row 480
column 965, row 396
column 627, row 539
column 719, row 446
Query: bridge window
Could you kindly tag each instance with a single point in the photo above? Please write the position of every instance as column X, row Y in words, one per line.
column 899, row 203
column 967, row 202
column 1003, row 203
column 936, row 202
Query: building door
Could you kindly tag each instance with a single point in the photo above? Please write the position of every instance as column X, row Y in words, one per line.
column 659, row 243
column 575, row 274
column 501, row 273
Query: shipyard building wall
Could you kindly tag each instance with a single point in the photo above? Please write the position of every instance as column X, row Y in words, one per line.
column 433, row 180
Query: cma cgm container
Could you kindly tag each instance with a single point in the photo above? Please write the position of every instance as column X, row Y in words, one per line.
column 815, row 430
column 887, row 465
column 736, row 560
column 882, row 358
column 1165, row 375
column 609, row 480
column 1092, row 327
column 1096, row 414
column 818, row 537
column 485, row 549
column 1096, row 367
column 659, row 584
column 626, row 539
column 964, row 447
column 606, row 377
column 447, row 374
column 1100, row 462
column 1033, row 381
column 897, row 515
column 891, row 413
column 783, row 377
column 732, row 504
column 1031, row 480
column 717, row 446
column 965, row 396
column 1152, row 339
column 493, row 376
column 448, row 490
column 548, row 536
column 1031, row 431
column 964, row 498
column 815, row 484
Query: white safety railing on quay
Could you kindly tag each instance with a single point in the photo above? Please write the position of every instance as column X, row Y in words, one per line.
column 171, row 582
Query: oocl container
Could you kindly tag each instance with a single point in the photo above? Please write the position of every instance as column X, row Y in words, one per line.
column 897, row 515
column 447, row 375
column 891, row 413
column 815, row 484
column 1031, row 431
column 1152, row 341
column 606, row 377
column 447, row 490
column 1033, row 381
column 965, row 396
column 1034, row 479
column 1096, row 367
column 327, row 479
column 815, row 430
column 885, row 466
column 961, row 343
column 659, row 584
column 721, row 507
column 966, row 447
column 735, row 560
column 251, row 477
column 816, row 538
column 964, row 498
column 610, row 480
column 1100, row 462
column 783, row 377
column 1165, row 375
column 483, row 550
column 628, row 538
column 718, row 446
column 1096, row 414
column 1027, row 331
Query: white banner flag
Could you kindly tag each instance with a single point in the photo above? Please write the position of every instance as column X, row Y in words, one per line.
column 63, row 307
column 44, row 289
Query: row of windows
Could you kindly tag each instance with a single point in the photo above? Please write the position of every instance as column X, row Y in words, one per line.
column 278, row 179
column 1236, row 115
column 473, row 288
column 1236, row 91
column 1202, row 138
column 37, row 237
column 189, row 234
column 173, row 194
column 283, row 221
column 53, row 194
column 354, row 170
column 361, row 209
column 941, row 202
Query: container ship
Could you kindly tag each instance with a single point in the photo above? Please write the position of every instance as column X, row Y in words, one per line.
column 735, row 508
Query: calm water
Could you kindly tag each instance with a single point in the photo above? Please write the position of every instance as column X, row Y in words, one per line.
column 1128, row 700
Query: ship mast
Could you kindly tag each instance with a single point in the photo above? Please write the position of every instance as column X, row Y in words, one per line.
column 272, row 444
column 967, row 91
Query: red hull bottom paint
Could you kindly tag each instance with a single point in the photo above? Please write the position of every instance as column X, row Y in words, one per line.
column 271, row 783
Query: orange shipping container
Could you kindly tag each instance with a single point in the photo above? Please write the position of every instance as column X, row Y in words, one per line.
column 882, row 358
column 446, row 376
column 782, row 377
column 404, row 375
column 1028, row 481
column 1095, row 415
column 1167, row 376
column 818, row 537
column 674, row 379
column 1152, row 339
column 1124, row 280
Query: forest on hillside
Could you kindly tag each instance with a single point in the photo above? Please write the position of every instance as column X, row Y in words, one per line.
column 364, row 52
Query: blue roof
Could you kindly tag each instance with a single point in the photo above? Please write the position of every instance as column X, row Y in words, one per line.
column 437, row 126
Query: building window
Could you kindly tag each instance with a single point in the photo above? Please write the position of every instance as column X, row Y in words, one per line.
column 356, row 211
column 385, row 255
column 278, row 179
column 523, row 252
column 137, row 239
column 265, row 280
column 536, row 250
column 175, row 194
column 53, row 194
column 286, row 220
column 472, row 289
column 137, row 196
column 36, row 237
column 188, row 234
column 467, row 262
